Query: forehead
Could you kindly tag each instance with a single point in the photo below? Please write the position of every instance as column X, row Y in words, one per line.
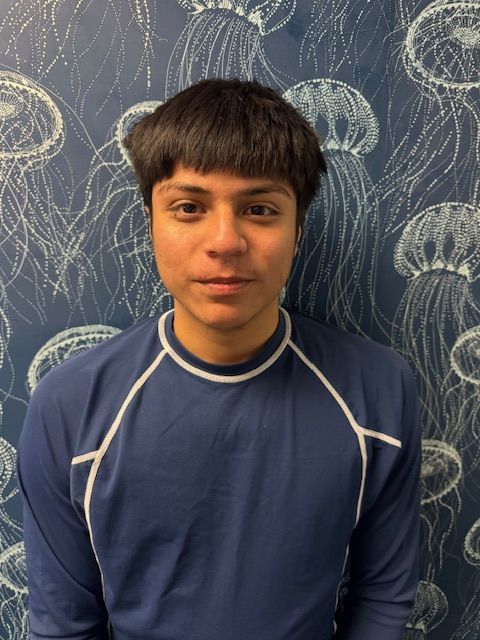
column 221, row 183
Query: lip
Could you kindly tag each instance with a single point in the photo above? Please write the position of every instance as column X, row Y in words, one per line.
column 224, row 286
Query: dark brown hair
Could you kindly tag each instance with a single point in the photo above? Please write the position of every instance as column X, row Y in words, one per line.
column 236, row 126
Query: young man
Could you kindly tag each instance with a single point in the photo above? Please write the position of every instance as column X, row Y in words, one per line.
column 210, row 474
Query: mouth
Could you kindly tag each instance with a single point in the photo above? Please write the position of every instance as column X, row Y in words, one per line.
column 224, row 285
column 232, row 280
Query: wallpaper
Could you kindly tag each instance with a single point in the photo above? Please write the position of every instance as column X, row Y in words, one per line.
column 391, row 248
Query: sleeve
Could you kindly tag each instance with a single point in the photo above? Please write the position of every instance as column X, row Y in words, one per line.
column 64, row 581
column 384, row 548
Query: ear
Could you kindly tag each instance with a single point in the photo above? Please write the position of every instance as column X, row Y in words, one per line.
column 299, row 235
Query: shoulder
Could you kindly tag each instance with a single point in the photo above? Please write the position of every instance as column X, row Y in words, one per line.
column 373, row 380
column 342, row 349
column 95, row 381
column 74, row 404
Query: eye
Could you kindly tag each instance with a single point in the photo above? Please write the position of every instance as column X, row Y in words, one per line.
column 185, row 210
column 188, row 207
column 259, row 210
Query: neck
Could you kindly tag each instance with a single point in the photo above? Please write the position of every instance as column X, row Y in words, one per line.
column 231, row 346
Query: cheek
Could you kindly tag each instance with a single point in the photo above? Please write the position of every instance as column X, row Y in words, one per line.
column 169, row 248
column 278, row 261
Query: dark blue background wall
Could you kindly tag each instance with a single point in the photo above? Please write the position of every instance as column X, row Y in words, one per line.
column 391, row 248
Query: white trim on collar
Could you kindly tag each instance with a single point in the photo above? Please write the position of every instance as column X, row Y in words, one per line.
column 213, row 377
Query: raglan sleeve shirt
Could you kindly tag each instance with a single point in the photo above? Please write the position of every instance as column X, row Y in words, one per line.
column 69, row 415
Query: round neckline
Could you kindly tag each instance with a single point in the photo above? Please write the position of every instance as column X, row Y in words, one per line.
column 269, row 353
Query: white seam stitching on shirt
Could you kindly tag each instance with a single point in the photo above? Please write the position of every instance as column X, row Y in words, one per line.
column 218, row 377
column 84, row 457
column 382, row 436
column 103, row 449
column 348, row 414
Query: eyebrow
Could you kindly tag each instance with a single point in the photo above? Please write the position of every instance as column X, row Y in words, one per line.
column 253, row 191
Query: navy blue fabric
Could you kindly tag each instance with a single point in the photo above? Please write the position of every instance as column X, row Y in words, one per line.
column 223, row 509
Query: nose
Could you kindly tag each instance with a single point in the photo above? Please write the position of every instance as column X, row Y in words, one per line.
column 225, row 235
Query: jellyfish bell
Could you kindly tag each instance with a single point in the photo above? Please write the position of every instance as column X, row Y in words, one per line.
column 442, row 47
column 223, row 38
column 64, row 345
column 465, row 356
column 267, row 16
column 13, row 571
column 471, row 547
column 31, row 125
column 429, row 611
column 343, row 116
column 441, row 470
column 445, row 237
column 128, row 120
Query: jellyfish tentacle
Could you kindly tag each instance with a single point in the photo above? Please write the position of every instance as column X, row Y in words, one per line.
column 346, row 208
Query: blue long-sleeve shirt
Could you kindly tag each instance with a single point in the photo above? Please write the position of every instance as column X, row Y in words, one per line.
column 166, row 498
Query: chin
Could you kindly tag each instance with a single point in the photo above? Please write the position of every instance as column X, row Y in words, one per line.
column 225, row 321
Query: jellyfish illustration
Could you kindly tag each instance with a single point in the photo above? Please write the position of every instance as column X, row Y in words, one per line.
column 13, row 592
column 41, row 236
column 435, row 130
column 469, row 627
column 441, row 478
column 461, row 399
column 13, row 569
column 333, row 274
column 31, row 133
column 119, row 237
column 92, row 43
column 224, row 38
column 439, row 253
column 443, row 46
column 64, row 345
column 430, row 610
column 10, row 529
column 471, row 547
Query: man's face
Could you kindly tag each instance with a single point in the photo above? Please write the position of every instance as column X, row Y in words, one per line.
column 223, row 246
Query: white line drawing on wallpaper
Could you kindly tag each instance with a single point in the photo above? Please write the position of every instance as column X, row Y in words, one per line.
column 6, row 364
column 441, row 481
column 469, row 627
column 119, row 226
column 31, row 133
column 10, row 529
column 461, row 399
column 40, row 241
column 435, row 131
column 223, row 38
column 13, row 581
column 341, row 226
column 64, row 345
column 471, row 547
column 439, row 254
column 430, row 610
column 347, row 24
column 89, row 41
column 13, row 592
column 443, row 45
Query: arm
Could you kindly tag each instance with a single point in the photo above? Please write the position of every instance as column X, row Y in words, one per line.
column 65, row 591
column 385, row 543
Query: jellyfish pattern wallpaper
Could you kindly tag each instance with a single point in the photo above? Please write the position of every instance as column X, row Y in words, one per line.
column 391, row 244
